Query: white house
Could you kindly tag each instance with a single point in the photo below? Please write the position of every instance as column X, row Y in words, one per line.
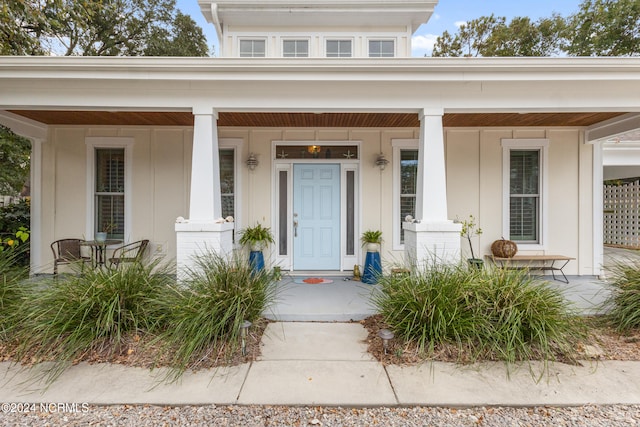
column 320, row 95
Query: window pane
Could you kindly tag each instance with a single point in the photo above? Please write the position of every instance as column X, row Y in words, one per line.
column 351, row 217
column 252, row 48
column 109, row 191
column 110, row 215
column 524, row 219
column 295, row 48
column 227, row 182
column 524, row 171
column 338, row 48
column 381, row 48
column 110, row 170
column 349, row 152
column 408, row 182
column 283, row 213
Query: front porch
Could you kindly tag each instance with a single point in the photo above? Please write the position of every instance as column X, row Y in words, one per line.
column 347, row 300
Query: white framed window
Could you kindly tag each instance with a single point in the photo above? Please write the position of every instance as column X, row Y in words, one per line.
column 405, row 179
column 295, row 48
column 382, row 48
column 339, row 48
column 109, row 186
column 229, row 151
column 524, row 186
column 253, row 48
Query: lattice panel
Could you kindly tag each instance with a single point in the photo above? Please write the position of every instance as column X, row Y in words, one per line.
column 622, row 215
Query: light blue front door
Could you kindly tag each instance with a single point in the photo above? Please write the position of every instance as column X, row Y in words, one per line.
column 316, row 216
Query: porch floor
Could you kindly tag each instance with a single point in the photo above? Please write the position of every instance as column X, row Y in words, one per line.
column 341, row 301
column 346, row 300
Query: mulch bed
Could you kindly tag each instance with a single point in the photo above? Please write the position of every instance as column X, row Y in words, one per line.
column 604, row 344
column 138, row 350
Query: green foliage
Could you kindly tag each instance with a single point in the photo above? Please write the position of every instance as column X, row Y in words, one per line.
column 12, row 289
column 183, row 38
column 495, row 313
column 251, row 235
column 15, row 152
column 209, row 307
column 21, row 25
column 64, row 317
column 470, row 229
column 15, row 216
column 605, row 28
column 471, row 39
column 99, row 28
column 14, row 230
column 522, row 37
column 371, row 236
column 623, row 304
column 599, row 28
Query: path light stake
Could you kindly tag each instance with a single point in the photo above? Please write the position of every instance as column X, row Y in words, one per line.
column 386, row 336
column 244, row 328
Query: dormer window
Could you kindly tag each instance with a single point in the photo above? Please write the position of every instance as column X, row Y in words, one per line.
column 295, row 48
column 339, row 49
column 252, row 48
column 381, row 48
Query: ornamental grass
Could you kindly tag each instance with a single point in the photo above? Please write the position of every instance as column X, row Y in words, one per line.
column 488, row 313
column 205, row 310
column 623, row 303
column 68, row 315
column 12, row 288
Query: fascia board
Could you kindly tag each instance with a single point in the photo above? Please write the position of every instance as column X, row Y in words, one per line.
column 484, row 69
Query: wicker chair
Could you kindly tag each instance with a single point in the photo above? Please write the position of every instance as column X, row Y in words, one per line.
column 67, row 251
column 131, row 252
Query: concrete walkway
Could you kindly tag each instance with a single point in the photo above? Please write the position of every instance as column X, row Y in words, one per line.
column 328, row 364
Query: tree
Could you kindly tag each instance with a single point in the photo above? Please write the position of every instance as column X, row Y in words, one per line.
column 184, row 39
column 99, row 28
column 605, row 28
column 472, row 38
column 15, row 152
column 522, row 37
column 491, row 36
column 21, row 25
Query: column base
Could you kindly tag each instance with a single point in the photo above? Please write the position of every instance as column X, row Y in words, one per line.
column 195, row 239
column 426, row 243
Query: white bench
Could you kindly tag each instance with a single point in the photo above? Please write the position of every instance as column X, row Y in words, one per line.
column 535, row 262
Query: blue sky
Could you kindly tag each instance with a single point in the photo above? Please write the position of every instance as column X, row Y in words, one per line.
column 448, row 15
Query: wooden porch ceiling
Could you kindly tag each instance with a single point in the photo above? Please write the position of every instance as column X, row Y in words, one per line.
column 176, row 118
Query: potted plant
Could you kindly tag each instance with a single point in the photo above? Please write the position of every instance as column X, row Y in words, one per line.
column 471, row 229
column 107, row 228
column 371, row 239
column 256, row 237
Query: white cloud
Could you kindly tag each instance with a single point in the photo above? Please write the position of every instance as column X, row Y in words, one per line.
column 459, row 24
column 423, row 44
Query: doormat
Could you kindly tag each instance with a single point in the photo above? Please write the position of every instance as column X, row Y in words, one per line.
column 313, row 281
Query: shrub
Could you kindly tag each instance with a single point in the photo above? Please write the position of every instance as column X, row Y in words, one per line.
column 623, row 303
column 12, row 287
column 495, row 313
column 14, row 216
column 208, row 308
column 65, row 316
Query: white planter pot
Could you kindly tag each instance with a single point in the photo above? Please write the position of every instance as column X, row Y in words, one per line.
column 373, row 247
column 101, row 236
column 258, row 246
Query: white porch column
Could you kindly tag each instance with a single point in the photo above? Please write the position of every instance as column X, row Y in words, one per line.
column 432, row 237
column 203, row 231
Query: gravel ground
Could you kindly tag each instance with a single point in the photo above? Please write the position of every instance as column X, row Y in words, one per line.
column 130, row 415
